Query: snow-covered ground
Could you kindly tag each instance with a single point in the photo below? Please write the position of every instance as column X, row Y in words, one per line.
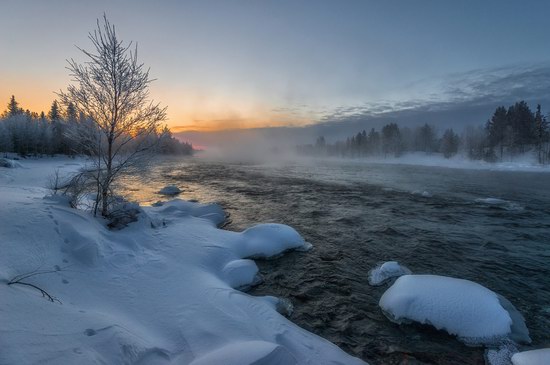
column 519, row 163
column 161, row 291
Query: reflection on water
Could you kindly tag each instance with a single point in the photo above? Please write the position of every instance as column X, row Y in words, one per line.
column 357, row 215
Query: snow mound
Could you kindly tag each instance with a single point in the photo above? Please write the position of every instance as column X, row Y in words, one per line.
column 499, row 203
column 10, row 164
column 170, row 190
column 385, row 271
column 533, row 357
column 248, row 353
column 242, row 274
column 460, row 307
column 271, row 239
column 177, row 209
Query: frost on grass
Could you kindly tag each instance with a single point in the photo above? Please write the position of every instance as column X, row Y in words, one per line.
column 386, row 271
column 533, row 357
column 170, row 190
column 463, row 308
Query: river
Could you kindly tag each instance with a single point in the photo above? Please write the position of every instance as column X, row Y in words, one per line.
column 491, row 227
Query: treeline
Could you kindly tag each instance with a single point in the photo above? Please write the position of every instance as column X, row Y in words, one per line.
column 509, row 132
column 31, row 134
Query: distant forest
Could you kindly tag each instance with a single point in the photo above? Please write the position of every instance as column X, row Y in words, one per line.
column 31, row 134
column 508, row 133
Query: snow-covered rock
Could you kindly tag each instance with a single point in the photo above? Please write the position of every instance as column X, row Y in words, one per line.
column 170, row 190
column 533, row 357
column 242, row 274
column 386, row 271
column 460, row 307
column 271, row 239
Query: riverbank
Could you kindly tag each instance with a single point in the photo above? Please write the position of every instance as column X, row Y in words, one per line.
column 163, row 290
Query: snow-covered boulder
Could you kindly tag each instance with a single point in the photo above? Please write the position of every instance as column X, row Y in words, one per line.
column 242, row 274
column 463, row 308
column 271, row 239
column 533, row 357
column 385, row 271
column 170, row 190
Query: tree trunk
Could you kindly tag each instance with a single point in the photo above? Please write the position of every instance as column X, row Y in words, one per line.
column 107, row 180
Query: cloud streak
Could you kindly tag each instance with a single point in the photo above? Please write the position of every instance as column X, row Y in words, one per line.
column 485, row 87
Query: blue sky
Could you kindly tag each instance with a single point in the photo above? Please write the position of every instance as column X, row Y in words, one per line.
column 238, row 64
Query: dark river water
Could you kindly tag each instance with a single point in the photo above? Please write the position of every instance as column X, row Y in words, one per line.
column 431, row 219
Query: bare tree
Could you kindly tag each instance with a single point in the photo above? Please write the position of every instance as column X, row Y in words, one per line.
column 111, row 89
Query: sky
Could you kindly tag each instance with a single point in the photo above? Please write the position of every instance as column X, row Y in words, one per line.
column 243, row 64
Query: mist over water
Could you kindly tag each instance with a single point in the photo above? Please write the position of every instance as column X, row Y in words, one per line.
column 486, row 226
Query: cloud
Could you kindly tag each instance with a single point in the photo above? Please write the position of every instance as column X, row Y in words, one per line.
column 455, row 101
column 484, row 87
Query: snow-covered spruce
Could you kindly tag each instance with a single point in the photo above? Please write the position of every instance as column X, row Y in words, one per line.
column 170, row 190
column 475, row 314
column 146, row 295
column 533, row 357
column 386, row 271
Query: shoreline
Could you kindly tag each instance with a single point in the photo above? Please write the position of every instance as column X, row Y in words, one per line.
column 163, row 295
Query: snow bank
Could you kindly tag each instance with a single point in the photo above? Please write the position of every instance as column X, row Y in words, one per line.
column 170, row 190
column 385, row 271
column 533, row 357
column 460, row 307
column 160, row 291
column 527, row 162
